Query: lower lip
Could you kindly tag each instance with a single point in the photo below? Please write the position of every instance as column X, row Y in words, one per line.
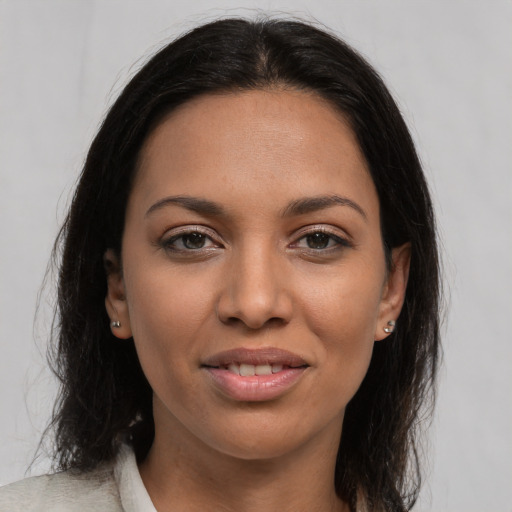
column 256, row 388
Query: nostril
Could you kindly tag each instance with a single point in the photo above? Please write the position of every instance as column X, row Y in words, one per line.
column 255, row 325
column 277, row 321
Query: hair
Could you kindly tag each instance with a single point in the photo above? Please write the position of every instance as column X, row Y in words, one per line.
column 104, row 396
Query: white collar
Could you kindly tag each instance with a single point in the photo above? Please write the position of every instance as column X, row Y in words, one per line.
column 134, row 496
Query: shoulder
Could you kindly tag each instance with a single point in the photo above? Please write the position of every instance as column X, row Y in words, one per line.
column 68, row 491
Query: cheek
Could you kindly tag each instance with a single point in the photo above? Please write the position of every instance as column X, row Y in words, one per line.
column 343, row 316
column 164, row 328
column 166, row 306
column 166, row 315
column 346, row 306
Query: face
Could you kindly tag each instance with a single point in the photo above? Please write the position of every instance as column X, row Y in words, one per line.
column 253, row 273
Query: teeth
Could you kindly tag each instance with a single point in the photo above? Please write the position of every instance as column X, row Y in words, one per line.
column 234, row 368
column 263, row 369
column 249, row 370
column 246, row 370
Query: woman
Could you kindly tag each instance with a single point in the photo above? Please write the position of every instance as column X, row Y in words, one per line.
column 248, row 290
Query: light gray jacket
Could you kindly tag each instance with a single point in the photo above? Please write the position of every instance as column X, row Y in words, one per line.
column 115, row 487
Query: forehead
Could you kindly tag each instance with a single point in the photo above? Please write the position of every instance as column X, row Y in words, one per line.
column 263, row 140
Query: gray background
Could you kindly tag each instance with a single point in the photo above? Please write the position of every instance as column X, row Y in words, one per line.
column 448, row 64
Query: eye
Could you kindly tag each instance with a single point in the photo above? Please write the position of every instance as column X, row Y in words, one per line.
column 193, row 240
column 189, row 241
column 320, row 240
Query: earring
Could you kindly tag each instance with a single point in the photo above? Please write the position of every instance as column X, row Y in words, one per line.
column 115, row 324
column 391, row 327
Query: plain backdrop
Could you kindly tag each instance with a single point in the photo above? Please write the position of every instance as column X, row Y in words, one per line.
column 448, row 63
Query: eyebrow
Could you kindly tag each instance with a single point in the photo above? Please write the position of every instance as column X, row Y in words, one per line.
column 194, row 204
column 313, row 204
column 298, row 207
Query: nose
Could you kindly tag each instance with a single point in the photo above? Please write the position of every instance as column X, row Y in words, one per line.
column 256, row 290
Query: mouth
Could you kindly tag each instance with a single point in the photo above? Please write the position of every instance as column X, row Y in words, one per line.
column 244, row 359
column 249, row 370
column 254, row 375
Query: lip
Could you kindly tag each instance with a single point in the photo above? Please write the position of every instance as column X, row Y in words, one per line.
column 256, row 388
column 269, row 355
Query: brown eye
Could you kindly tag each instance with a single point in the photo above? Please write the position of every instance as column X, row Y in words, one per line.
column 194, row 240
column 318, row 240
column 189, row 241
column 321, row 241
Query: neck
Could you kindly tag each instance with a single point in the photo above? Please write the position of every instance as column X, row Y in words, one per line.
column 182, row 474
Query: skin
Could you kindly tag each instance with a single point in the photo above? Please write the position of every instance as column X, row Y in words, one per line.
column 256, row 283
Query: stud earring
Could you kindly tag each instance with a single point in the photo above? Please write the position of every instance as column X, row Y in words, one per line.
column 391, row 327
column 115, row 324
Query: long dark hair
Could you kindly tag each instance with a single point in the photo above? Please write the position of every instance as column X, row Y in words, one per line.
column 104, row 396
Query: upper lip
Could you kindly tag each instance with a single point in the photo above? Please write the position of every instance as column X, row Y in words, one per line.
column 258, row 356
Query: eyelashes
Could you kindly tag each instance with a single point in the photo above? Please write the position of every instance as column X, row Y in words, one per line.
column 199, row 241
column 320, row 239
column 191, row 239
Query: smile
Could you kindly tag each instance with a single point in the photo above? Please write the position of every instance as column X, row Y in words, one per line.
column 248, row 370
column 254, row 375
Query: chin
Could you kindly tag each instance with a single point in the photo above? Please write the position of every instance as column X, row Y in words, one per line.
column 260, row 439
column 259, row 448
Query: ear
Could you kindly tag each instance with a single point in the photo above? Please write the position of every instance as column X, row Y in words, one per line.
column 115, row 301
column 393, row 293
